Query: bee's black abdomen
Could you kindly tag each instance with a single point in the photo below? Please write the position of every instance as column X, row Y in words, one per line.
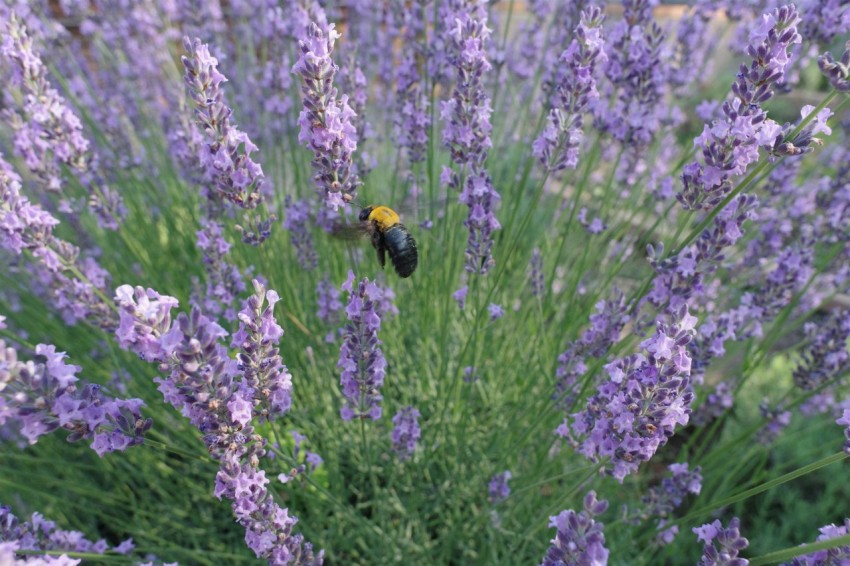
column 402, row 248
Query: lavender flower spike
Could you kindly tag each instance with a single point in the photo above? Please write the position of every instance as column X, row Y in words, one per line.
column 259, row 359
column 45, row 396
column 729, row 544
column 327, row 127
column 406, row 432
column 144, row 316
column 636, row 411
column 360, row 357
column 47, row 133
column 730, row 145
column 557, row 146
column 837, row 72
column 39, row 534
column 579, row 539
column 467, row 126
column 236, row 176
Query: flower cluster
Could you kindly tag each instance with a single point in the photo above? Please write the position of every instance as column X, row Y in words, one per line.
column 406, row 432
column 498, row 489
column 826, row 354
column 837, row 555
column 39, row 534
column 573, row 90
column 637, row 74
column 25, row 226
column 327, row 127
column 44, row 396
column 580, row 538
column 203, row 382
column 729, row 543
column 144, row 316
column 660, row 501
column 680, row 277
column 295, row 219
column 636, row 411
column 467, row 126
column 224, row 282
column 605, row 328
column 730, row 145
column 259, row 358
column 412, row 120
column 47, row 133
column 838, row 72
column 360, row 357
column 538, row 283
column 226, row 153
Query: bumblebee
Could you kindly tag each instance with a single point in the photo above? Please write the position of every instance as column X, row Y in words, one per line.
column 389, row 235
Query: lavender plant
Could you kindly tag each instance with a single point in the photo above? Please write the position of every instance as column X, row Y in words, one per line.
column 659, row 348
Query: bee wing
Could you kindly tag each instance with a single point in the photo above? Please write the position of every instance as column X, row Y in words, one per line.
column 343, row 230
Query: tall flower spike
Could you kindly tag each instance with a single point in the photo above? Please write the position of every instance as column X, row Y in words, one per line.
column 47, row 133
column 406, row 432
column 27, row 226
column 837, row 72
column 722, row 545
column 360, row 357
column 730, row 145
column 580, row 538
column 637, row 410
column 467, row 126
column 259, row 359
column 39, row 534
column 296, row 217
column 326, row 122
column 226, row 153
column 46, row 395
column 558, row 145
column 203, row 382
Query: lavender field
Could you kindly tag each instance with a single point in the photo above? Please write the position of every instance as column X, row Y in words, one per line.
column 424, row 282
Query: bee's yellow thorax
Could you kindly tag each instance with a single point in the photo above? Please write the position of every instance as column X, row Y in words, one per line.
column 385, row 217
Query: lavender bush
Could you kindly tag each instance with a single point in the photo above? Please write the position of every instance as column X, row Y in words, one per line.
column 626, row 340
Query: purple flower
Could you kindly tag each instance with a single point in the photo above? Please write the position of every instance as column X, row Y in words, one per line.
column 39, row 534
column 496, row 312
column 329, row 304
column 411, row 117
column 573, row 89
column 47, row 133
column 661, row 500
column 467, row 125
column 680, row 278
column 498, row 488
column 295, row 218
column 460, row 296
column 204, row 383
column 580, row 538
column 259, row 358
column 606, row 325
column 226, row 154
column 715, row 404
column 637, row 410
column 826, row 354
column 538, row 285
column 326, row 122
column 43, row 396
column 837, row 72
column 721, row 545
column 27, row 226
column 730, row 145
column 406, row 432
column 224, row 281
column 144, row 317
column 837, row 556
column 360, row 357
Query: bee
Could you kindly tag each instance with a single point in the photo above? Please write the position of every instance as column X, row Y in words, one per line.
column 389, row 235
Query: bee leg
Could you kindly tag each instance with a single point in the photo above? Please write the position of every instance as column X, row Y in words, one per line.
column 378, row 243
